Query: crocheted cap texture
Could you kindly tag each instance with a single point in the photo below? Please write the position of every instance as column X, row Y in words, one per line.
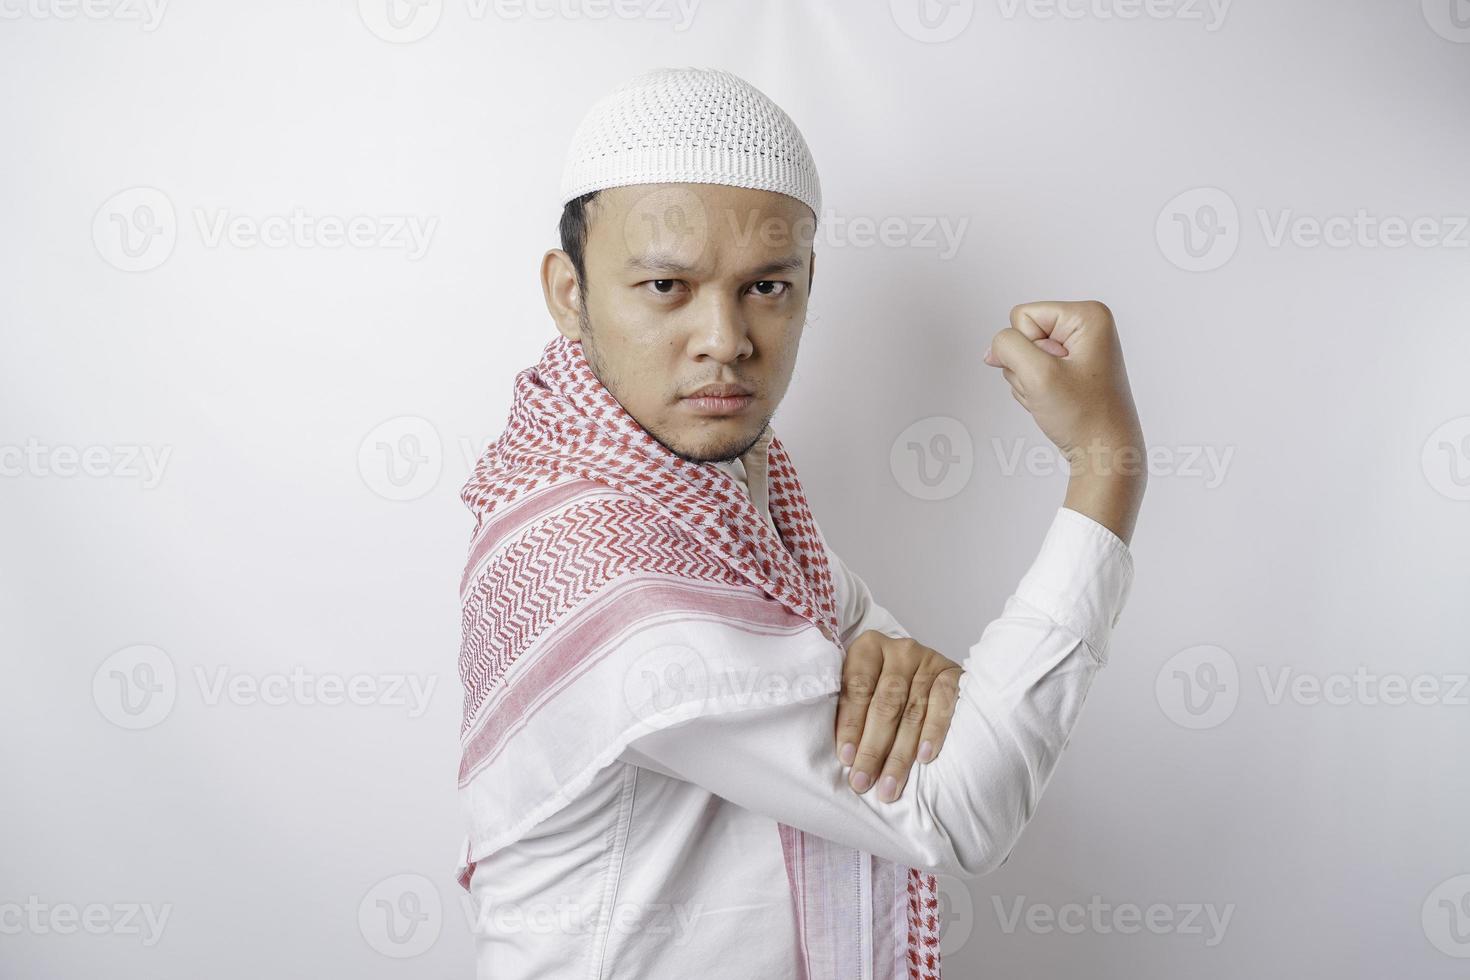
column 690, row 125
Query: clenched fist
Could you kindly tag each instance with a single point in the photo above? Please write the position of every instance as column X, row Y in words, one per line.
column 1064, row 364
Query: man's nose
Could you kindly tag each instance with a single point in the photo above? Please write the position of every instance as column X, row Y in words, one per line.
column 722, row 333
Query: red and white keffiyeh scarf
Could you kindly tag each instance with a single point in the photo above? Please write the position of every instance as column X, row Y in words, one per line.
column 585, row 526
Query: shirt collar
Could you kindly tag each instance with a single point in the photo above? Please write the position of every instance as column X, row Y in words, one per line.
column 750, row 470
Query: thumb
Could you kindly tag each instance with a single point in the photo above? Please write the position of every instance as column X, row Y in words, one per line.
column 1045, row 343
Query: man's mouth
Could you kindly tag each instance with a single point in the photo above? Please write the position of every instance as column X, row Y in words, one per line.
column 720, row 399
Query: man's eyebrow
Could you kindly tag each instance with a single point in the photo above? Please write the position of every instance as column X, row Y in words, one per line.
column 667, row 263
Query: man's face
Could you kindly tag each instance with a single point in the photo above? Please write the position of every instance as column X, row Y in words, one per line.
column 691, row 285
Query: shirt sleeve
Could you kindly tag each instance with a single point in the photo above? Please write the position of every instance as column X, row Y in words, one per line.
column 1020, row 695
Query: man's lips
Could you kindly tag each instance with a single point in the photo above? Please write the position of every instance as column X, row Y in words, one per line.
column 719, row 391
column 720, row 404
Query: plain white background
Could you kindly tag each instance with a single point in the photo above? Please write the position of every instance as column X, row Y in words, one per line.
column 268, row 272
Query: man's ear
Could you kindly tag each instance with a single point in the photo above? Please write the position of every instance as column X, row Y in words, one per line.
column 563, row 295
column 811, row 271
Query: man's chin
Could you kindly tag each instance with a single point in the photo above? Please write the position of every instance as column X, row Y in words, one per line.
column 710, row 446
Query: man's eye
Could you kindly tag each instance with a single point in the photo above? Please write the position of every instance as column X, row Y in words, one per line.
column 766, row 287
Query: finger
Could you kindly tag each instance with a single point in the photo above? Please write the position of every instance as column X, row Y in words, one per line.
column 1019, row 353
column 944, row 694
column 1014, row 382
column 1037, row 320
column 1045, row 343
column 890, row 697
column 905, row 748
column 860, row 670
column 1059, row 320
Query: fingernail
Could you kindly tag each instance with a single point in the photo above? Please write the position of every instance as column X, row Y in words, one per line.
column 888, row 791
column 926, row 751
column 861, row 781
column 847, row 753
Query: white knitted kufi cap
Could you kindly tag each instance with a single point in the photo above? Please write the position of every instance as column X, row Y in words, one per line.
column 690, row 125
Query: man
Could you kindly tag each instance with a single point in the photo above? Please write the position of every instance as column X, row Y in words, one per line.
column 658, row 779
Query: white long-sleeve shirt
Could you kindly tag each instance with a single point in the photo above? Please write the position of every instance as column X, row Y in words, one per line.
column 669, row 864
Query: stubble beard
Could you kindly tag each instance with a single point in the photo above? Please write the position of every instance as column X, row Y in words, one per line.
column 599, row 368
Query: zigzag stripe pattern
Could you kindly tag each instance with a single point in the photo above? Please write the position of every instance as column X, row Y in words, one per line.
column 552, row 567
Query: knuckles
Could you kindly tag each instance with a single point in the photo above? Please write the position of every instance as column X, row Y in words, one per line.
column 891, row 697
column 914, row 710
